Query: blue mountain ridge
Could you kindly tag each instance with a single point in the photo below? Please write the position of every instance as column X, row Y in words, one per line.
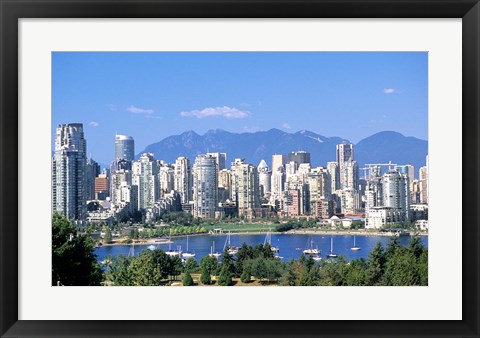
column 381, row 147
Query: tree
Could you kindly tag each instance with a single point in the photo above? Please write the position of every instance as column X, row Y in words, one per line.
column 108, row 236
column 207, row 266
column 376, row 265
column 73, row 258
column 205, row 277
column 225, row 277
column 176, row 267
column 187, row 279
column 191, row 265
column 259, row 268
column 245, row 276
column 118, row 270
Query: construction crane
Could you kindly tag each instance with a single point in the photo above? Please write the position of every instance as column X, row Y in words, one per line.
column 370, row 166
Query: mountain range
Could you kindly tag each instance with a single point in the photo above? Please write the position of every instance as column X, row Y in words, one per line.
column 381, row 147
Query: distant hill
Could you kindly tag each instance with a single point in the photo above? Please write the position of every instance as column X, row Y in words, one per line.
column 381, row 147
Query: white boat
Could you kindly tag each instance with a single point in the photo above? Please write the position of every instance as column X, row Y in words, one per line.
column 354, row 247
column 212, row 251
column 316, row 258
column 311, row 250
column 268, row 239
column 171, row 252
column 188, row 254
column 331, row 254
column 151, row 247
column 232, row 250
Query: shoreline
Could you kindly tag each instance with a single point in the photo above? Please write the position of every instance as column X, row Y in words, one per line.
column 163, row 240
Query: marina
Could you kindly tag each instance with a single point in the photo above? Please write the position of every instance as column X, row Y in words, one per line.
column 289, row 246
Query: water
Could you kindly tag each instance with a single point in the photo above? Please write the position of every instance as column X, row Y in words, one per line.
column 291, row 245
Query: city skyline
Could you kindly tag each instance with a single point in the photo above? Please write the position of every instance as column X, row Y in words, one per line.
column 151, row 96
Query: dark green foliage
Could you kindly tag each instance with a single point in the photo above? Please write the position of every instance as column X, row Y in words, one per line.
column 245, row 277
column 187, row 279
column 176, row 267
column 225, row 277
column 191, row 265
column 208, row 267
column 376, row 265
column 205, row 277
column 73, row 258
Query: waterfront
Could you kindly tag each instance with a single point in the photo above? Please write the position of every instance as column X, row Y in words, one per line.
column 291, row 245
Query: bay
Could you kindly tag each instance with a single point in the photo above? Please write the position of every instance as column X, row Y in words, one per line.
column 290, row 245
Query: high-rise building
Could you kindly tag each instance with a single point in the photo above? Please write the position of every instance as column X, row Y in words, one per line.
column 102, row 186
column 92, row 170
column 225, row 183
column 145, row 177
column 409, row 171
column 344, row 155
column 278, row 161
column 124, row 147
column 423, row 183
column 120, row 179
column 183, row 179
column 166, row 177
column 246, row 187
column 205, row 185
column 69, row 191
column 221, row 159
column 278, row 181
column 319, row 187
column 334, row 172
column 297, row 202
column 299, row 157
column 264, row 179
column 350, row 175
column 396, row 192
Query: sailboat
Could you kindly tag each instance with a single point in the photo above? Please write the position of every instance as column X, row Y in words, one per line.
column 188, row 254
column 331, row 254
column 131, row 252
column 171, row 252
column 268, row 239
column 231, row 249
column 355, row 248
column 311, row 250
column 212, row 251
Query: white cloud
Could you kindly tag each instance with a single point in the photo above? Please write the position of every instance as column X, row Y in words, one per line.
column 94, row 124
column 227, row 112
column 136, row 110
column 286, row 126
column 390, row 91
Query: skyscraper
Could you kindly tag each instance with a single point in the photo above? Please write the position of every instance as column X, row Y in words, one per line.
column 145, row 177
column 246, row 187
column 205, row 184
column 221, row 159
column 332, row 168
column 69, row 191
column 264, row 178
column 92, row 170
column 124, row 147
column 183, row 179
column 278, row 161
column 344, row 155
column 299, row 157
column 396, row 192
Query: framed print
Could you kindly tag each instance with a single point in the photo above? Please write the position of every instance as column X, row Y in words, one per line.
column 294, row 153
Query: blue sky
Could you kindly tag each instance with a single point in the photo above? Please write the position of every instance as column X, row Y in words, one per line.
column 154, row 95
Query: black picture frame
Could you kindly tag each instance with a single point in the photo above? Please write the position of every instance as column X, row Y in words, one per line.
column 12, row 10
